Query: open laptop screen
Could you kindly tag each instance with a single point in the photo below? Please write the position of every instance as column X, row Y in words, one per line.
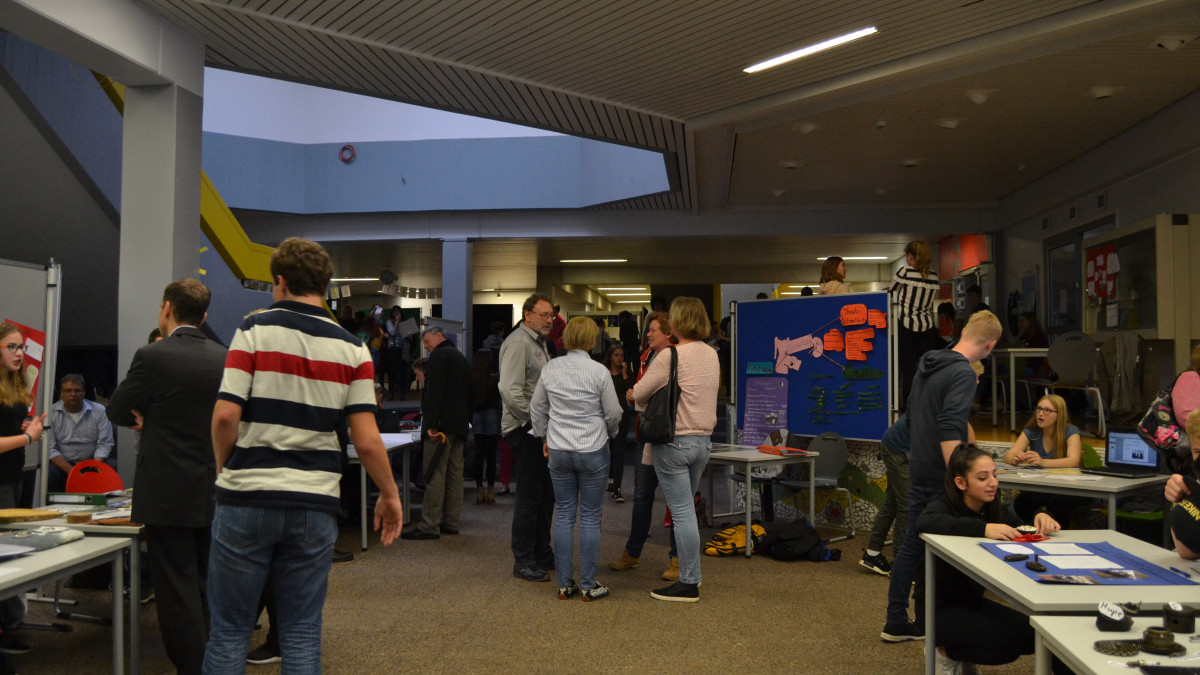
column 1128, row 448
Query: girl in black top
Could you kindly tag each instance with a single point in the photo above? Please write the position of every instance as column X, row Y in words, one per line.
column 970, row 628
column 15, row 400
column 623, row 379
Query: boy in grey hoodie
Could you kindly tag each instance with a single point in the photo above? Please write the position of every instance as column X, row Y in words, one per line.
column 938, row 408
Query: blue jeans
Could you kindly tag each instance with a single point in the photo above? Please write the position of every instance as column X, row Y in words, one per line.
column 579, row 480
column 909, row 564
column 291, row 545
column 645, row 482
column 679, row 465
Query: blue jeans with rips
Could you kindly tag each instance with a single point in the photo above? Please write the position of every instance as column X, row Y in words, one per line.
column 679, row 465
column 579, row 480
column 291, row 545
column 909, row 564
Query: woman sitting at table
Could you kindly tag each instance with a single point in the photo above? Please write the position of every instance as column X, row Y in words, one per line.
column 969, row 628
column 1049, row 441
column 1185, row 493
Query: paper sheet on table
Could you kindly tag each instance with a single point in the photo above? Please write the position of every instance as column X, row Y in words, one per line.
column 1079, row 562
column 1015, row 548
column 1073, row 477
column 1062, row 549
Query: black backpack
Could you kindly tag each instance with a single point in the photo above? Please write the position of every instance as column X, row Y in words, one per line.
column 797, row 540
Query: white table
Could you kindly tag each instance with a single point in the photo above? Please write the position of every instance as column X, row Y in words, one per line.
column 132, row 533
column 749, row 457
column 63, row 561
column 1108, row 488
column 1031, row 597
column 1013, row 353
column 404, row 441
column 1070, row 638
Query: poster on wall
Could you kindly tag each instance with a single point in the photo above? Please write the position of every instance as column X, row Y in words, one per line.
column 832, row 352
column 766, row 409
column 35, row 347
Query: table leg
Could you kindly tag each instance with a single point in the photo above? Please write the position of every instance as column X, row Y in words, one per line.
column 135, row 605
column 118, row 611
column 711, row 494
column 404, row 490
column 812, row 491
column 362, row 482
column 1041, row 655
column 1112, row 511
column 749, row 506
column 995, row 408
column 930, row 611
column 1012, row 391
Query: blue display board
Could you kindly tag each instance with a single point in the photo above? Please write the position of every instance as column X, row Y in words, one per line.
column 833, row 352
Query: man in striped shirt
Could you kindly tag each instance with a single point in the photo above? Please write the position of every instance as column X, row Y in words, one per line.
column 292, row 378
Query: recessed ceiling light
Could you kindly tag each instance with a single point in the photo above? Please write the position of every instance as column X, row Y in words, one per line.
column 948, row 123
column 617, row 295
column 857, row 257
column 789, row 163
column 979, row 96
column 1099, row 92
column 351, row 279
column 594, row 260
column 881, row 191
column 630, row 302
column 805, row 127
column 777, row 192
column 811, row 49
column 910, row 163
column 621, row 288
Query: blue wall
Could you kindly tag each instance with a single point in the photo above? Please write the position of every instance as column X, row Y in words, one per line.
column 435, row 175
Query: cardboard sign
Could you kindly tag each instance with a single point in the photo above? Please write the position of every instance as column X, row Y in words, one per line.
column 834, row 341
column 854, row 315
column 858, row 343
column 876, row 318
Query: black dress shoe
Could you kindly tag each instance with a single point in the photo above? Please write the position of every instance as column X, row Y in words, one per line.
column 446, row 529
column 419, row 534
column 530, row 573
column 342, row 556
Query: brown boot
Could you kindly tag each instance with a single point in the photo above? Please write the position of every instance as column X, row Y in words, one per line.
column 627, row 562
column 491, row 495
column 480, row 497
column 672, row 573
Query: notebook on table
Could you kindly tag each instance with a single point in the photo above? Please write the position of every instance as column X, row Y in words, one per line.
column 1127, row 456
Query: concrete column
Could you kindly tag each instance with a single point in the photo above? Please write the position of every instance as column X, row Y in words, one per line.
column 160, row 215
column 458, row 285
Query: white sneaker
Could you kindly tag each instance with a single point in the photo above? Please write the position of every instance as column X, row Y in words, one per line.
column 944, row 665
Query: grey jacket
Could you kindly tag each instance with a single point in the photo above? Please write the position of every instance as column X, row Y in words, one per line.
column 522, row 357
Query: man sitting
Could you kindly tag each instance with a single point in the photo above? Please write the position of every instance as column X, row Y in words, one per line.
column 79, row 430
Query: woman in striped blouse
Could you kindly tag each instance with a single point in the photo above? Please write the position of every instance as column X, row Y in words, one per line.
column 914, row 291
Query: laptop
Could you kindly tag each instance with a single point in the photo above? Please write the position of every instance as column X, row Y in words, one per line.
column 1128, row 456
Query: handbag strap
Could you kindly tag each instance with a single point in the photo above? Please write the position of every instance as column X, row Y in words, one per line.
column 673, row 382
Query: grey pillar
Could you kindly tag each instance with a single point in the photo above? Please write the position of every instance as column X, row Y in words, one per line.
column 457, row 285
column 160, row 215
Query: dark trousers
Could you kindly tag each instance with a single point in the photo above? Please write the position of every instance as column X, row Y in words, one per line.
column 618, row 445
column 397, row 371
column 645, row 482
column 534, row 510
column 908, row 568
column 179, row 571
column 486, row 450
column 910, row 348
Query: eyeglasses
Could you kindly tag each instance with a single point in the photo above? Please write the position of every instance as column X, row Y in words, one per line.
column 13, row 349
column 543, row 315
column 1046, row 411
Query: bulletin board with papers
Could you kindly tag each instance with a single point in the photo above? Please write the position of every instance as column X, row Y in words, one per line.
column 813, row 364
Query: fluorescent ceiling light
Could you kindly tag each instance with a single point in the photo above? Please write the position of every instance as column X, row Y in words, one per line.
column 595, row 260
column 803, row 285
column 622, row 288
column 630, row 302
column 811, row 49
column 352, row 279
column 858, row 257
column 793, row 293
column 613, row 295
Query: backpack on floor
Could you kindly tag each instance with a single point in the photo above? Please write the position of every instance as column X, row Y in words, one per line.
column 797, row 540
column 732, row 540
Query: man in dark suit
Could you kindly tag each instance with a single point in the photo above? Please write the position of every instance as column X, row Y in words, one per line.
column 445, row 418
column 173, row 385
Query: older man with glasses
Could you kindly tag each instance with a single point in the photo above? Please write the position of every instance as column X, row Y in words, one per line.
column 522, row 357
column 80, row 430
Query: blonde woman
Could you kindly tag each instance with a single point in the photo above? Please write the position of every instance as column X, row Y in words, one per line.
column 1050, row 441
column 678, row 464
column 833, row 276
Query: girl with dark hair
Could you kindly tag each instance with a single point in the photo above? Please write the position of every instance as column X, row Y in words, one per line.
column 971, row 629
column 623, row 380
column 486, row 423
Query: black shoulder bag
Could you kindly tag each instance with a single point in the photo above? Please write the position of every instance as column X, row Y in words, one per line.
column 657, row 421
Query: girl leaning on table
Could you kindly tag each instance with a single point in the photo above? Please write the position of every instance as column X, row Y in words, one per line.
column 1048, row 441
column 1184, row 493
column 969, row 628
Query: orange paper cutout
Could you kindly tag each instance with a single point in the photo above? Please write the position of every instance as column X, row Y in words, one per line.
column 834, row 341
column 877, row 318
column 854, row 315
column 858, row 343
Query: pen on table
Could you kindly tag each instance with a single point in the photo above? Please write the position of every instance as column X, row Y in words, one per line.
column 1179, row 571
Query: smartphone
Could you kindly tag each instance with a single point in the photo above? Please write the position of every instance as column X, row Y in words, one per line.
column 1015, row 557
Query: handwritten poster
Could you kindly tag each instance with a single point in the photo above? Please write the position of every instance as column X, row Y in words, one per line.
column 766, row 408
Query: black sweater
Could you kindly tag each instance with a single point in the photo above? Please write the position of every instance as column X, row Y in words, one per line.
column 938, row 407
column 941, row 517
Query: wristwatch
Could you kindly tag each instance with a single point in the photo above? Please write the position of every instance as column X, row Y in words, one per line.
column 28, row 438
